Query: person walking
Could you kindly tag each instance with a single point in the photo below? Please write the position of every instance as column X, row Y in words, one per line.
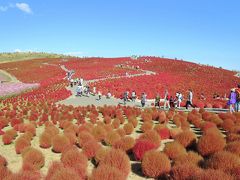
column 189, row 99
column 237, row 104
column 179, row 99
column 157, row 100
column 143, row 99
column 232, row 100
column 166, row 100
column 125, row 97
column 99, row 95
column 134, row 96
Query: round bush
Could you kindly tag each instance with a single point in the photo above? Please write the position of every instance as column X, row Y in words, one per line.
column 151, row 136
column 185, row 171
column 212, row 174
column 33, row 157
column 128, row 128
column 3, row 161
column 121, row 132
column 155, row 164
column 90, row 148
column 174, row 149
column 100, row 154
column 21, row 144
column 107, row 172
column 163, row 131
column 233, row 147
column 59, row 143
column 210, row 143
column 45, row 140
column 118, row 159
column 99, row 133
column 141, row 147
column 186, row 138
column 189, row 158
column 112, row 137
column 7, row 139
column 147, row 126
column 125, row 143
column 84, row 137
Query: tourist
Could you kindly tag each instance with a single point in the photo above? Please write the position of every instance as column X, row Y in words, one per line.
column 71, row 82
column 179, row 99
column 87, row 90
column 125, row 97
column 109, row 95
column 94, row 91
column 134, row 96
column 99, row 95
column 237, row 105
column 81, row 80
column 232, row 100
column 166, row 100
column 143, row 99
column 157, row 100
column 171, row 102
column 189, row 99
column 79, row 90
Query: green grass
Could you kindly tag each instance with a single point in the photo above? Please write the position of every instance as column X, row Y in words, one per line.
column 20, row 56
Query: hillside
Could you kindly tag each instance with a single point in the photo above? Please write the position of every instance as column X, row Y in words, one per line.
column 20, row 56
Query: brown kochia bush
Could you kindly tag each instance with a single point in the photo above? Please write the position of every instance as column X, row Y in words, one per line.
column 147, row 126
column 210, row 143
column 211, row 174
column 128, row 128
column 186, row 138
column 3, row 161
column 22, row 175
column 121, row 132
column 21, row 143
column 84, row 137
column 233, row 147
column 189, row 158
column 33, row 157
column 151, row 136
column 112, row 137
column 45, row 140
column 100, row 154
column 223, row 160
column 65, row 173
column 5, row 173
column 125, row 143
column 185, row 171
column 116, row 123
column 174, row 149
column 59, row 143
column 99, row 133
column 155, row 164
column 118, row 159
column 107, row 172
column 90, row 148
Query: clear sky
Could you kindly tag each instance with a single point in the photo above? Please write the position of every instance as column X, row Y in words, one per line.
column 206, row 31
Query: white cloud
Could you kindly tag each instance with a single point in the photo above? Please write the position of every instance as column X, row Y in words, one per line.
column 24, row 7
column 4, row 8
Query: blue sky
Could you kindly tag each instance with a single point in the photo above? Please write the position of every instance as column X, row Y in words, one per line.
column 205, row 31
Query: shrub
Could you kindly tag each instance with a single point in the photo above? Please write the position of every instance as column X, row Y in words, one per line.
column 162, row 117
column 134, row 121
column 3, row 161
column 90, row 148
column 52, row 130
column 233, row 147
column 5, row 173
column 128, row 128
column 186, row 138
column 163, row 131
column 223, row 160
column 45, row 140
column 23, row 175
column 152, row 136
column 212, row 174
column 54, row 166
column 73, row 156
column 71, row 137
column 100, row 154
column 116, row 123
column 30, row 128
column 125, row 143
column 65, row 174
column 20, row 144
column 174, row 132
column 107, row 172
column 118, row 159
column 121, row 132
column 107, row 119
column 174, row 149
column 59, row 143
column 146, row 126
column 189, row 158
column 155, row 164
column 227, row 124
column 112, row 137
column 34, row 157
column 84, row 137
column 231, row 137
column 185, row 171
column 210, row 143
column 12, row 133
column 99, row 133
column 141, row 147
column 7, row 139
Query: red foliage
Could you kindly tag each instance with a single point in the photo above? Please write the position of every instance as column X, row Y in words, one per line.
column 3, row 161
column 84, row 137
column 125, row 143
column 233, row 147
column 59, row 143
column 189, row 158
column 151, row 136
column 128, row 128
column 21, row 144
column 174, row 150
column 90, row 148
column 185, row 171
column 141, row 147
column 112, row 137
column 163, row 131
column 147, row 126
column 100, row 154
column 45, row 140
column 34, row 157
column 155, row 164
column 99, row 133
column 213, row 175
column 5, row 173
column 186, row 138
column 7, row 139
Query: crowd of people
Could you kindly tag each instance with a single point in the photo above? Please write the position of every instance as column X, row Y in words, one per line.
column 234, row 99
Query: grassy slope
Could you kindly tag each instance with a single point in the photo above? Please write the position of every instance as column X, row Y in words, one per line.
column 20, row 56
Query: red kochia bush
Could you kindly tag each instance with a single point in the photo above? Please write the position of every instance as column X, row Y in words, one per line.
column 174, row 149
column 152, row 136
column 224, row 161
column 185, row 171
column 59, row 143
column 3, row 161
column 112, row 137
column 45, row 140
column 20, row 144
column 22, row 175
column 118, row 159
column 90, row 148
column 155, row 164
column 65, row 174
column 54, row 166
column 101, row 153
column 128, row 128
column 186, row 138
column 189, row 158
column 34, row 157
column 141, row 147
column 210, row 143
column 84, row 137
column 7, row 139
column 107, row 172
column 163, row 131
column 147, row 126
column 5, row 173
column 233, row 147
column 99, row 133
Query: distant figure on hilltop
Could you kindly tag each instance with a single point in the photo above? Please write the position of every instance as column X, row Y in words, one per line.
column 166, row 100
column 232, row 100
column 143, row 99
column 157, row 100
column 134, row 96
column 190, row 99
column 179, row 98
column 237, row 105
